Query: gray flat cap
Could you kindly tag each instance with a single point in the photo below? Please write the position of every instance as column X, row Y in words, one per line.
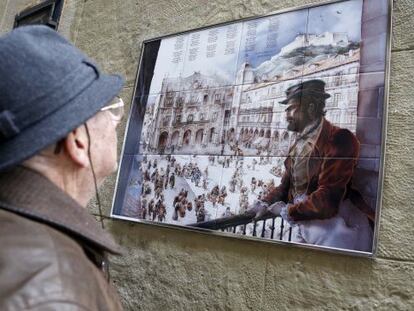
column 47, row 88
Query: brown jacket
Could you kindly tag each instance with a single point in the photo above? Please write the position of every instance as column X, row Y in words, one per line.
column 330, row 168
column 52, row 254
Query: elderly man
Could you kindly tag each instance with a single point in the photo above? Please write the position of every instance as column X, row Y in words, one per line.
column 58, row 115
column 316, row 185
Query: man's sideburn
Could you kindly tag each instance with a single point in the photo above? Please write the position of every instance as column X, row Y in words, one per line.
column 300, row 116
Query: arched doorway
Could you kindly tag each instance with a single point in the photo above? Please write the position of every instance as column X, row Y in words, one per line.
column 211, row 135
column 267, row 134
column 231, row 135
column 245, row 132
column 174, row 138
column 162, row 140
column 276, row 136
column 187, row 138
column 199, row 137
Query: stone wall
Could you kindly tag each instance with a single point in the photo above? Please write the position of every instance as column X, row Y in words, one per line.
column 167, row 269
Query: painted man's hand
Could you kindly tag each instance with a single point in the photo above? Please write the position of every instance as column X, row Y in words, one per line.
column 258, row 209
column 276, row 208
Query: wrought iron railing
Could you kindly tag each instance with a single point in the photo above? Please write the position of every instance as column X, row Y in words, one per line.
column 240, row 223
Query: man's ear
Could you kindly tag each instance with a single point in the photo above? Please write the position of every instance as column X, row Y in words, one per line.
column 76, row 145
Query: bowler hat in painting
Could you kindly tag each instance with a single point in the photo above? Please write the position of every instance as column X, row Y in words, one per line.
column 311, row 87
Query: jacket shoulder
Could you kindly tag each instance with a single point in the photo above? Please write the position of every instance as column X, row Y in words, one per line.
column 344, row 143
column 55, row 267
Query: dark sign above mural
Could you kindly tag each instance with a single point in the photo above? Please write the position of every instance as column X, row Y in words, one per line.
column 270, row 128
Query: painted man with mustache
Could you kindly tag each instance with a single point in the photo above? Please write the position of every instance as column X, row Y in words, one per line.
column 315, row 192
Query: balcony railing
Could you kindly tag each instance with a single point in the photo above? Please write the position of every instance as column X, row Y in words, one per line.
column 241, row 222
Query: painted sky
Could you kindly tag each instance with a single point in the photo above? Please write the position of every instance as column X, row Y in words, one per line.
column 340, row 17
column 270, row 39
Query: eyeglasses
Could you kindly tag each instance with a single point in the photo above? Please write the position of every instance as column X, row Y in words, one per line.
column 116, row 108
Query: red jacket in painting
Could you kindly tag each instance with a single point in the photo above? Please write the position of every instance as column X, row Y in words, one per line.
column 330, row 169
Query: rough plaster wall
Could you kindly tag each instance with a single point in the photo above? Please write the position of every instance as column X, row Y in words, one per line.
column 9, row 9
column 166, row 269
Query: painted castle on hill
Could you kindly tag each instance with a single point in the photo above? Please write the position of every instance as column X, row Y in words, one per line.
column 327, row 38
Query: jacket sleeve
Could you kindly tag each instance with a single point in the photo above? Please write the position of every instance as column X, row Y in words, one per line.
column 280, row 193
column 335, row 173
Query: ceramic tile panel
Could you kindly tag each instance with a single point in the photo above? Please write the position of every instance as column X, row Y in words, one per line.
column 333, row 37
column 370, row 113
column 366, row 177
column 188, row 122
column 342, row 18
column 371, row 80
column 245, row 180
column 375, row 26
column 169, row 65
column 129, row 184
column 259, row 134
column 144, row 85
column 371, row 103
column 341, row 107
column 374, row 8
column 141, row 120
column 369, row 150
column 257, row 122
column 211, row 57
column 272, row 48
column 168, row 179
column 373, row 53
column 369, row 130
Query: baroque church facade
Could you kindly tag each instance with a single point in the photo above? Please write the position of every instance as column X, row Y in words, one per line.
column 188, row 116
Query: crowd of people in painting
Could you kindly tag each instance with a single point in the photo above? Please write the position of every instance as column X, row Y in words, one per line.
column 160, row 175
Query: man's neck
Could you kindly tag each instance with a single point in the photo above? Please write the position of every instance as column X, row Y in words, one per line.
column 311, row 127
column 69, row 180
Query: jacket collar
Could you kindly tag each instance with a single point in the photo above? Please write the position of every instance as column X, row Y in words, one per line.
column 323, row 138
column 32, row 195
